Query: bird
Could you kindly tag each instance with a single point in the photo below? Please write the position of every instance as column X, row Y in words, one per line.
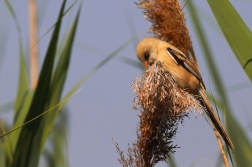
column 185, row 73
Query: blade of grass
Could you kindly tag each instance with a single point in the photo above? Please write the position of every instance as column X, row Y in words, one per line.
column 69, row 95
column 59, row 141
column 23, row 86
column 28, row 147
column 110, row 56
column 123, row 59
column 18, row 120
column 171, row 161
column 5, row 147
column 40, row 115
column 96, row 68
column 243, row 149
column 68, row 9
column 236, row 32
column 132, row 63
column 22, row 98
column 2, row 155
column 56, row 154
column 132, row 28
column 58, row 80
column 4, row 31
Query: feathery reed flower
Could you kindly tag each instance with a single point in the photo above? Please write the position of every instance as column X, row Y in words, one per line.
column 163, row 105
column 168, row 23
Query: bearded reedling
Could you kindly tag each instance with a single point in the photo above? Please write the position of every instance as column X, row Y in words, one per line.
column 185, row 73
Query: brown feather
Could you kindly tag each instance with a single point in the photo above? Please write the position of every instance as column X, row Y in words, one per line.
column 185, row 73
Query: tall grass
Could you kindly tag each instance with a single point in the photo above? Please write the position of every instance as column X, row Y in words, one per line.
column 24, row 143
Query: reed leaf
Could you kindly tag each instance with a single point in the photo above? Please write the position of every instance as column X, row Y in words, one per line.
column 243, row 148
column 236, row 32
column 28, row 149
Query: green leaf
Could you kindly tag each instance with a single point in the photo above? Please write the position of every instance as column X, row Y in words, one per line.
column 13, row 14
column 57, row 152
column 4, row 31
column 18, row 121
column 2, row 155
column 243, row 149
column 90, row 73
column 67, row 10
column 129, row 61
column 171, row 161
column 58, row 80
column 23, row 86
column 28, row 149
column 102, row 63
column 4, row 146
column 236, row 32
column 22, row 100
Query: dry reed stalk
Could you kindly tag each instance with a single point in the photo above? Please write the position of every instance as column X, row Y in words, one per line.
column 33, row 43
column 223, row 154
column 163, row 105
column 168, row 24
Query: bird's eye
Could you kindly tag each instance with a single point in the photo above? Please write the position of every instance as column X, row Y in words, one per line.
column 146, row 56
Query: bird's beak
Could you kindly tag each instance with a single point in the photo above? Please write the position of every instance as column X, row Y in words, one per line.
column 146, row 64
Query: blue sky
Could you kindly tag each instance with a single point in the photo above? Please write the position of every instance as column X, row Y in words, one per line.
column 102, row 110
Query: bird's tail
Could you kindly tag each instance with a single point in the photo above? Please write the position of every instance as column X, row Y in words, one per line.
column 215, row 119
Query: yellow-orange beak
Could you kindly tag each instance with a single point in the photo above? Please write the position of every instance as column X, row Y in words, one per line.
column 146, row 64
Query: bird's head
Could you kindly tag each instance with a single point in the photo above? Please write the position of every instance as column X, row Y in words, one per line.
column 147, row 51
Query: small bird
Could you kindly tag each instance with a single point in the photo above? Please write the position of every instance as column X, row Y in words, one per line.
column 185, row 73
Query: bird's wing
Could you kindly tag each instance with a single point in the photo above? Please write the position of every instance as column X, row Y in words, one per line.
column 182, row 60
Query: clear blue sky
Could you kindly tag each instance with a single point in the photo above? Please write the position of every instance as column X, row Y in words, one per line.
column 103, row 109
